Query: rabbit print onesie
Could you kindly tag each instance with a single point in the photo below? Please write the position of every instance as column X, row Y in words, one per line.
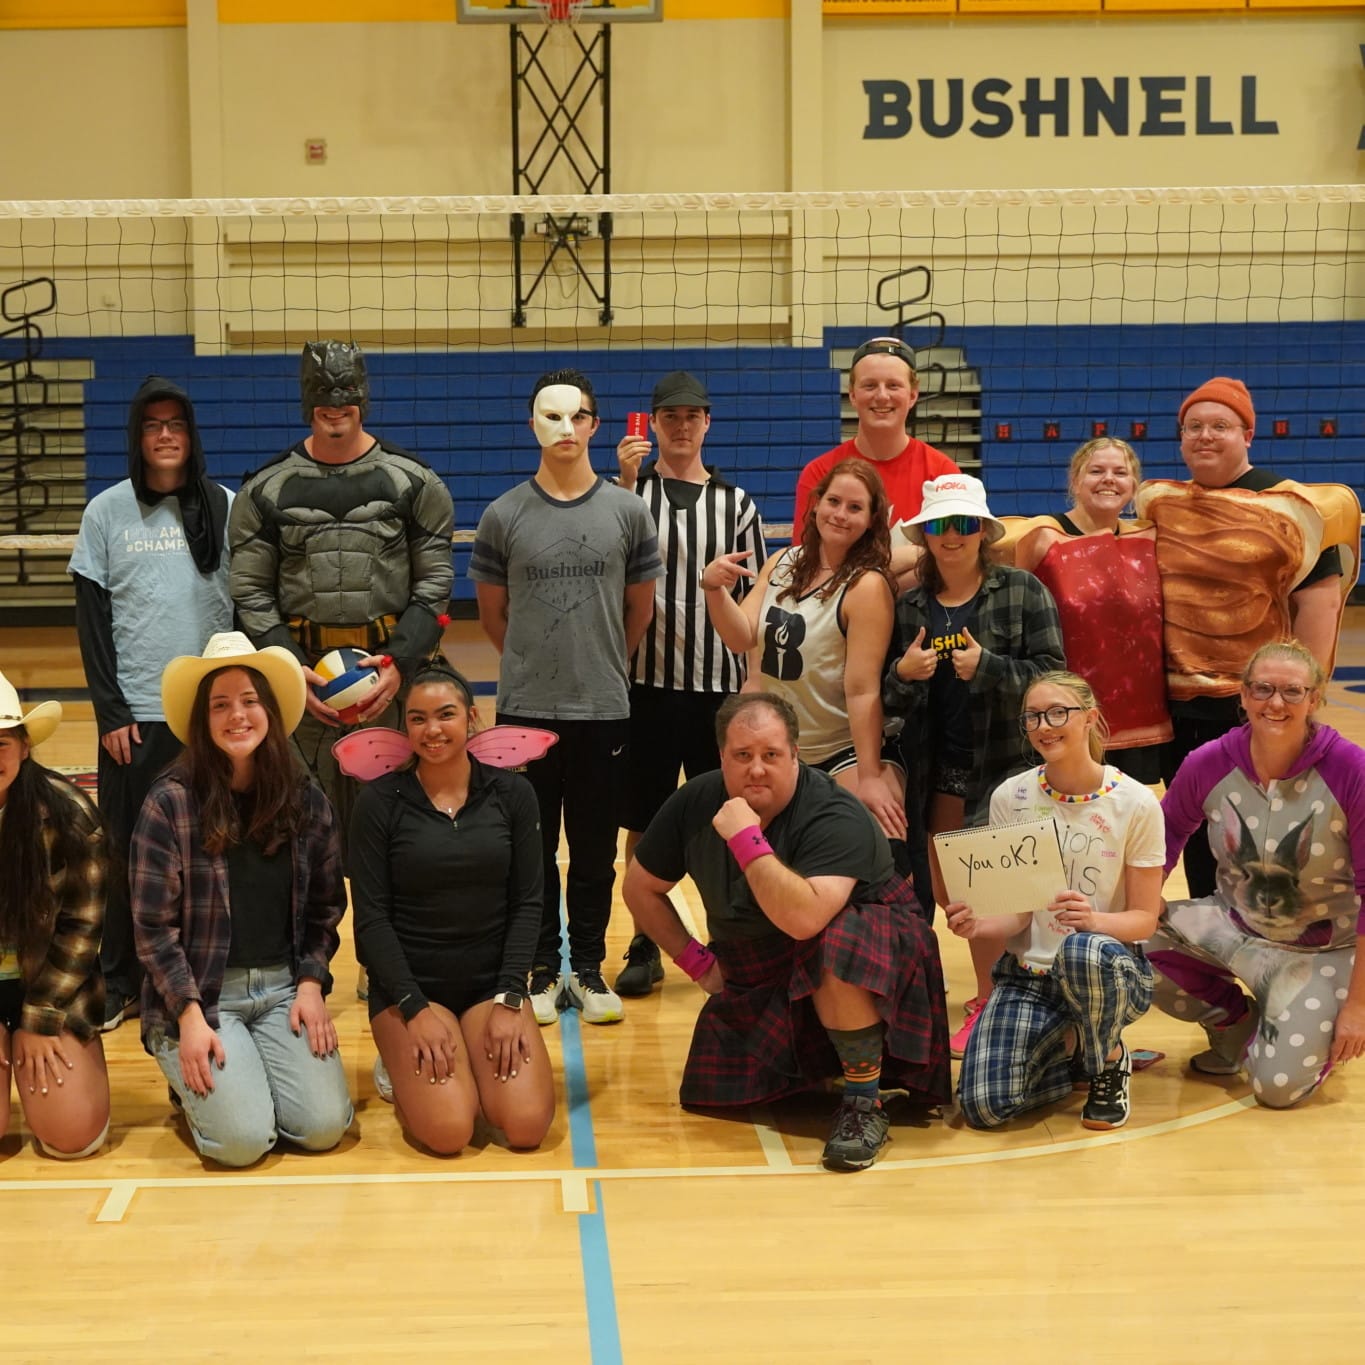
column 1286, row 915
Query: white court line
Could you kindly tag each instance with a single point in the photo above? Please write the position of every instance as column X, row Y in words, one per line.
column 770, row 1140
column 234, row 1181
column 573, row 1191
column 120, row 1196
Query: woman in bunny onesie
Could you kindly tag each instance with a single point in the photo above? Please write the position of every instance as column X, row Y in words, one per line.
column 1284, row 798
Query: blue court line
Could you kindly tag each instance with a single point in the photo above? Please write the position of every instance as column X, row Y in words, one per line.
column 599, row 1292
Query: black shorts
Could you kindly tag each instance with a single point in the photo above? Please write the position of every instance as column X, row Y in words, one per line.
column 456, row 996
column 670, row 732
column 848, row 758
column 11, row 1002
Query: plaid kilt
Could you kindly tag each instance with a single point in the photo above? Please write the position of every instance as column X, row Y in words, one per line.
column 760, row 1038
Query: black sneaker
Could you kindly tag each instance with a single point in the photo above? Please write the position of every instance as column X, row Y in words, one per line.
column 861, row 1129
column 118, row 1006
column 643, row 970
column 1107, row 1104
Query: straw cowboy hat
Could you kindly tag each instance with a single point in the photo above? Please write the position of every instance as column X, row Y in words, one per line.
column 39, row 723
column 231, row 649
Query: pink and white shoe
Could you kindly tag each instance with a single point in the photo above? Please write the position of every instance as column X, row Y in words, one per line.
column 971, row 1012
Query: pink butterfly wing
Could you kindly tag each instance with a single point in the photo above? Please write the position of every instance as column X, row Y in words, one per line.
column 367, row 754
column 511, row 746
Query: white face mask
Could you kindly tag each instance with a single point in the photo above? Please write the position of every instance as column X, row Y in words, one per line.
column 554, row 409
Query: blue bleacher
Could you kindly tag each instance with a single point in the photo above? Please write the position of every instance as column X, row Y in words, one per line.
column 774, row 407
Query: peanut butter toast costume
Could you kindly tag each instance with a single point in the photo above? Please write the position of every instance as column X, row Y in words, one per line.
column 1229, row 559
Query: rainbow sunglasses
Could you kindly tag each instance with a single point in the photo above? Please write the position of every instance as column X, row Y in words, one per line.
column 942, row 526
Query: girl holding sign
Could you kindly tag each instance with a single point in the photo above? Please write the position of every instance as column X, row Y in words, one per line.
column 1071, row 977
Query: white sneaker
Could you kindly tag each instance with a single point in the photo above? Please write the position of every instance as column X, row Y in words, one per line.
column 587, row 991
column 545, row 991
column 382, row 1083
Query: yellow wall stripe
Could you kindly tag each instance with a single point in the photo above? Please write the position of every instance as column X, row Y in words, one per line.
column 443, row 11
column 92, row 13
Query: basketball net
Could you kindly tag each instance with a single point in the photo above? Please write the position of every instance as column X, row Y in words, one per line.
column 557, row 12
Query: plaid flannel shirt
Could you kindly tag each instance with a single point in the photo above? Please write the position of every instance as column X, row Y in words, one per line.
column 181, row 916
column 1020, row 636
column 64, row 990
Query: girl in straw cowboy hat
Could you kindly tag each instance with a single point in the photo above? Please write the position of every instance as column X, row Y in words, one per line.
column 52, row 872
column 237, row 893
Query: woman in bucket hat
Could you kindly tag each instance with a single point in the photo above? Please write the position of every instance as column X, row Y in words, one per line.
column 237, row 893
column 53, row 864
column 969, row 640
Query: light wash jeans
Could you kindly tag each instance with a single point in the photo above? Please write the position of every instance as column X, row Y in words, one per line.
column 271, row 1085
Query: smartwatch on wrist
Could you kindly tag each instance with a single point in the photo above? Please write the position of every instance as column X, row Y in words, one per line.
column 512, row 1000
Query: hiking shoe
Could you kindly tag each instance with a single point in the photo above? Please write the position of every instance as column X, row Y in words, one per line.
column 971, row 1012
column 643, row 970
column 382, row 1083
column 545, row 992
column 861, row 1129
column 118, row 1006
column 1107, row 1104
column 585, row 990
column 1227, row 1045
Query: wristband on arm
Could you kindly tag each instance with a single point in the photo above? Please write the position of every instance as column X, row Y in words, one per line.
column 747, row 845
column 696, row 959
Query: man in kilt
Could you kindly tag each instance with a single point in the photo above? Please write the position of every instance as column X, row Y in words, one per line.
column 820, row 961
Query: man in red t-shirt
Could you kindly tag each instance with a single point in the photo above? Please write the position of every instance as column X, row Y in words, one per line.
column 883, row 387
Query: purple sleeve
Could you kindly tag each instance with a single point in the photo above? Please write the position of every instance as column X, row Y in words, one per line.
column 1183, row 805
column 1342, row 770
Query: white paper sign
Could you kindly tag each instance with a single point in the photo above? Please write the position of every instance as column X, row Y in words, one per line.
column 1004, row 870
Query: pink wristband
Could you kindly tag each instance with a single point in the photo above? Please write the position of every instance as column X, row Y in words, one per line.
column 696, row 959
column 747, row 845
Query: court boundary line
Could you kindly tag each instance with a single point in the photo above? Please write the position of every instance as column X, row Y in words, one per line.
column 121, row 1189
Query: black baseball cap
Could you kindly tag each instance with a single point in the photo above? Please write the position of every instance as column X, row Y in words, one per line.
column 885, row 346
column 680, row 390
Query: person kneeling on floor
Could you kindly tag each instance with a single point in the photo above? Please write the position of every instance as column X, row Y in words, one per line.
column 820, row 962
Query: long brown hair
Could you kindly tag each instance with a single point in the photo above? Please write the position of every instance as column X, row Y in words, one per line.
column 36, row 799
column 277, row 783
column 871, row 552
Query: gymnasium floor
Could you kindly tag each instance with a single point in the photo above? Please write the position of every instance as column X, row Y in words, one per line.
column 1205, row 1230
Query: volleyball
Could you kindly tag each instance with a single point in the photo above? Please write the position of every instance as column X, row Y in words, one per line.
column 346, row 684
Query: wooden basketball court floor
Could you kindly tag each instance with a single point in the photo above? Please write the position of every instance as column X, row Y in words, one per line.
column 1205, row 1230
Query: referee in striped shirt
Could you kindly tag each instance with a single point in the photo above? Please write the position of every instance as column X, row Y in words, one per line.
column 682, row 671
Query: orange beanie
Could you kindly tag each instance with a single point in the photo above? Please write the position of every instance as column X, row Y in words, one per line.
column 1231, row 393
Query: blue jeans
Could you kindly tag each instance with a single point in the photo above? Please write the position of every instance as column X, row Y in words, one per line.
column 271, row 1086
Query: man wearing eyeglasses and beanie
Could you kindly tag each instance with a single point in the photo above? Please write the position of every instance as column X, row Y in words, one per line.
column 1245, row 557
column 151, row 574
column 882, row 387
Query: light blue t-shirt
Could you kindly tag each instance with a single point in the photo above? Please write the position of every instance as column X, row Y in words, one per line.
column 163, row 606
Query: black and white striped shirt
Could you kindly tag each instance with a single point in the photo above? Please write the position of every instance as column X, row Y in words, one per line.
column 681, row 650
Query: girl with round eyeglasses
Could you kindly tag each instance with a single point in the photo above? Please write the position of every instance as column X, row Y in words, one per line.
column 1069, row 976
column 1270, row 965
column 970, row 638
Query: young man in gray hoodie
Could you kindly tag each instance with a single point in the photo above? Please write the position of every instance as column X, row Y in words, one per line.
column 151, row 574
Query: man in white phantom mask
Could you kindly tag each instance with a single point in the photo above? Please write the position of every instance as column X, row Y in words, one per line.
column 564, row 566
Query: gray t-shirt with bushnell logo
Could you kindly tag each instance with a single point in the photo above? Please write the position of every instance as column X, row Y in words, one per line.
column 566, row 566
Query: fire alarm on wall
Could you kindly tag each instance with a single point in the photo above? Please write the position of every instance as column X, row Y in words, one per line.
column 314, row 151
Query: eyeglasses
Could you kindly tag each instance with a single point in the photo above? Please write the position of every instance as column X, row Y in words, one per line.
column 1217, row 430
column 177, row 426
column 1056, row 717
column 942, row 526
column 1293, row 694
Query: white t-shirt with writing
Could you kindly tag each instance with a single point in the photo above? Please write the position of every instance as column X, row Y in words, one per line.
column 1099, row 839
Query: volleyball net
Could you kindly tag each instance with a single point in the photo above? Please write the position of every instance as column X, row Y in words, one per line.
column 1040, row 317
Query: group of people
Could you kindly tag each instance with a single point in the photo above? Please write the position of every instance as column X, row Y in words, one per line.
column 911, row 665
